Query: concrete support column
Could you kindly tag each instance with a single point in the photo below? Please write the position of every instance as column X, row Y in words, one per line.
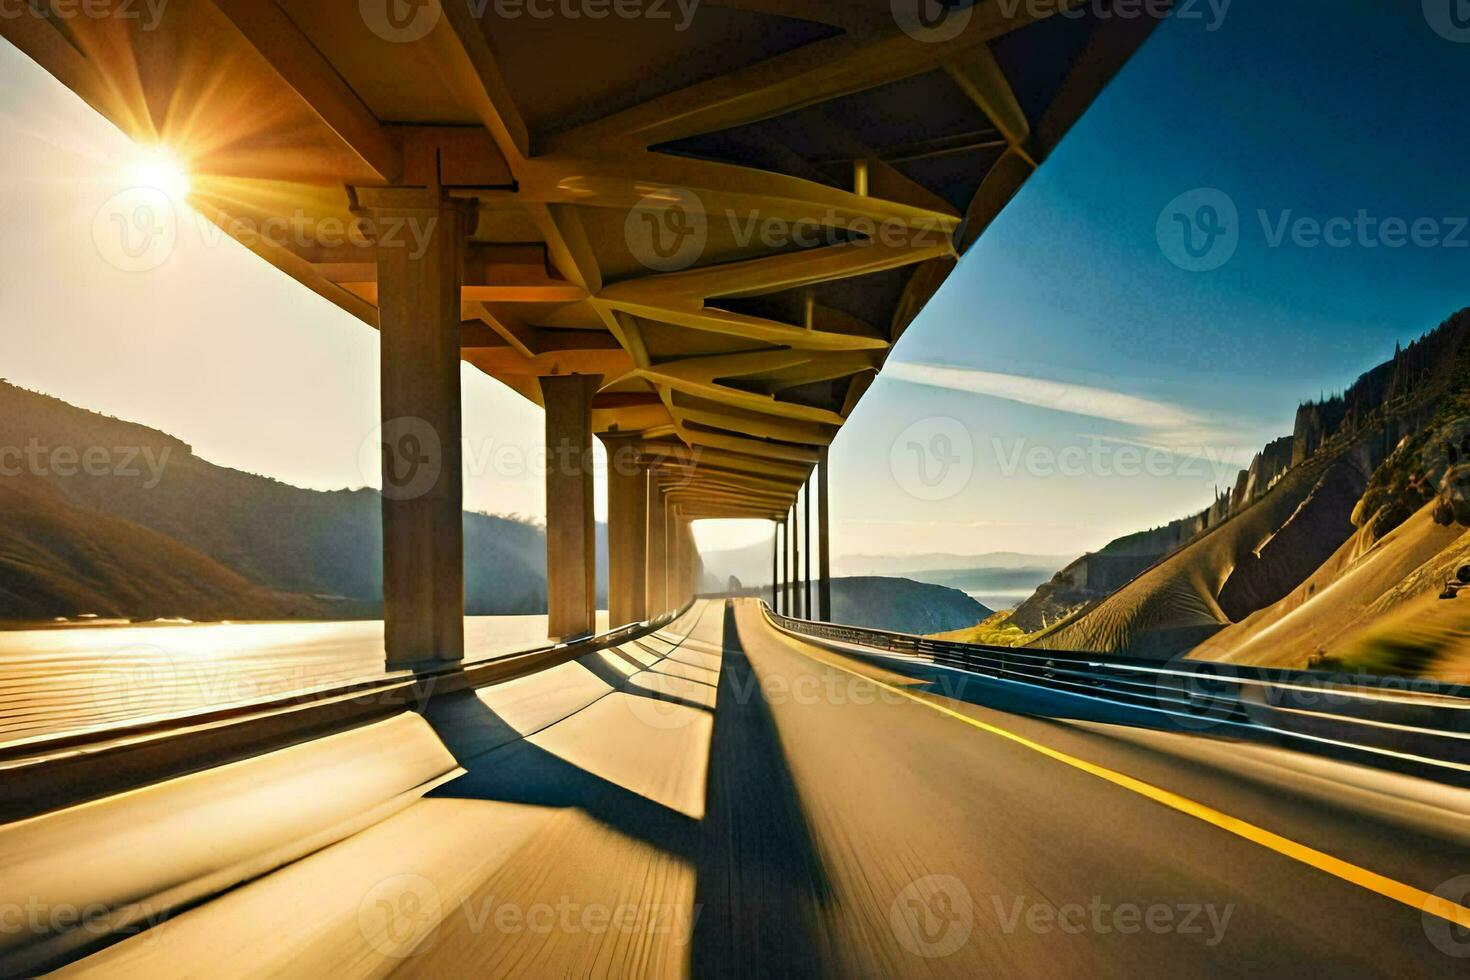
column 796, row 603
column 824, row 566
column 686, row 562
column 674, row 542
column 658, row 544
column 571, row 531
column 696, row 565
column 775, row 566
column 627, row 532
column 687, row 558
column 423, row 482
column 786, row 564
column 806, row 524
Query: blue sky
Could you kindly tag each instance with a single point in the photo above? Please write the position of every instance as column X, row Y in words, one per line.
column 1065, row 345
column 1301, row 109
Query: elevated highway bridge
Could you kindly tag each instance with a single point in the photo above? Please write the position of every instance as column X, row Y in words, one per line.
column 694, row 231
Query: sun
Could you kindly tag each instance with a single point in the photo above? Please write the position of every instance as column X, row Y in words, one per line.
column 159, row 169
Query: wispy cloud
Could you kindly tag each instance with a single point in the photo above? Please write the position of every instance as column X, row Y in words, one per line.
column 1167, row 425
column 1225, row 458
column 1059, row 396
column 966, row 525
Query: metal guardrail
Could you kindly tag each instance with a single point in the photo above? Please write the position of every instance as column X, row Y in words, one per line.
column 63, row 770
column 1413, row 725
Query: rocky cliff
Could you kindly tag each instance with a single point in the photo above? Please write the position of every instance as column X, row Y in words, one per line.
column 1367, row 458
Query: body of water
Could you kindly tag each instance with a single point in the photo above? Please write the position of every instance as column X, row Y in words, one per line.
column 89, row 678
column 1001, row 599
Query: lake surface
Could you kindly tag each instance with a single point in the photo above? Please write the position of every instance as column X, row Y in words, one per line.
column 88, row 678
column 1001, row 599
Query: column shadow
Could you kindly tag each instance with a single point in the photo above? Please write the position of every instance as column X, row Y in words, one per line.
column 501, row 765
column 760, row 883
column 760, row 877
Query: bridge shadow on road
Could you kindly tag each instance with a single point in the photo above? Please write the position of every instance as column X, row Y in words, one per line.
column 759, row 882
column 518, row 771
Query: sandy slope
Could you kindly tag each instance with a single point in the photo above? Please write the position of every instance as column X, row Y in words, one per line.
column 1360, row 582
column 1174, row 605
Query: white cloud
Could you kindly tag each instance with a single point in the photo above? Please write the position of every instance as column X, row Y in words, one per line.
column 967, row 525
column 1169, row 426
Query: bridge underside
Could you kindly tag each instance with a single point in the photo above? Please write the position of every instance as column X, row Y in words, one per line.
column 724, row 221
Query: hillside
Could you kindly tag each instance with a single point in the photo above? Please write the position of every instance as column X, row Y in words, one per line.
column 58, row 560
column 155, row 531
column 1342, row 600
column 1097, row 575
column 902, row 605
column 1363, row 525
column 1192, row 593
column 998, row 588
column 942, row 563
column 998, row 579
column 897, row 604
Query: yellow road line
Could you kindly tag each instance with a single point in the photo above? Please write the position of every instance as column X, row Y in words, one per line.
column 1337, row 867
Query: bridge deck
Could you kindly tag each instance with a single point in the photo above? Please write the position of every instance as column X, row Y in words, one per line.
column 739, row 802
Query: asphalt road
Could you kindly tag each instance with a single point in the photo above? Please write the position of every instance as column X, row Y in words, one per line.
column 736, row 802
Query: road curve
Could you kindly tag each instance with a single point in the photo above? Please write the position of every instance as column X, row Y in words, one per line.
column 726, row 800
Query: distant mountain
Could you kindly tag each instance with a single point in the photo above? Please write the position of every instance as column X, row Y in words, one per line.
column 1096, row 575
column 1334, row 546
column 999, row 588
column 943, row 562
column 902, row 605
column 751, row 564
column 1000, row 571
column 59, row 560
column 113, row 518
column 897, row 604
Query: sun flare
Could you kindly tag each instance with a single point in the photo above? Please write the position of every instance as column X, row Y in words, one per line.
column 158, row 168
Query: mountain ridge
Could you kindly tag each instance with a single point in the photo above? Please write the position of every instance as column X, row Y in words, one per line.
column 301, row 553
column 1392, row 451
